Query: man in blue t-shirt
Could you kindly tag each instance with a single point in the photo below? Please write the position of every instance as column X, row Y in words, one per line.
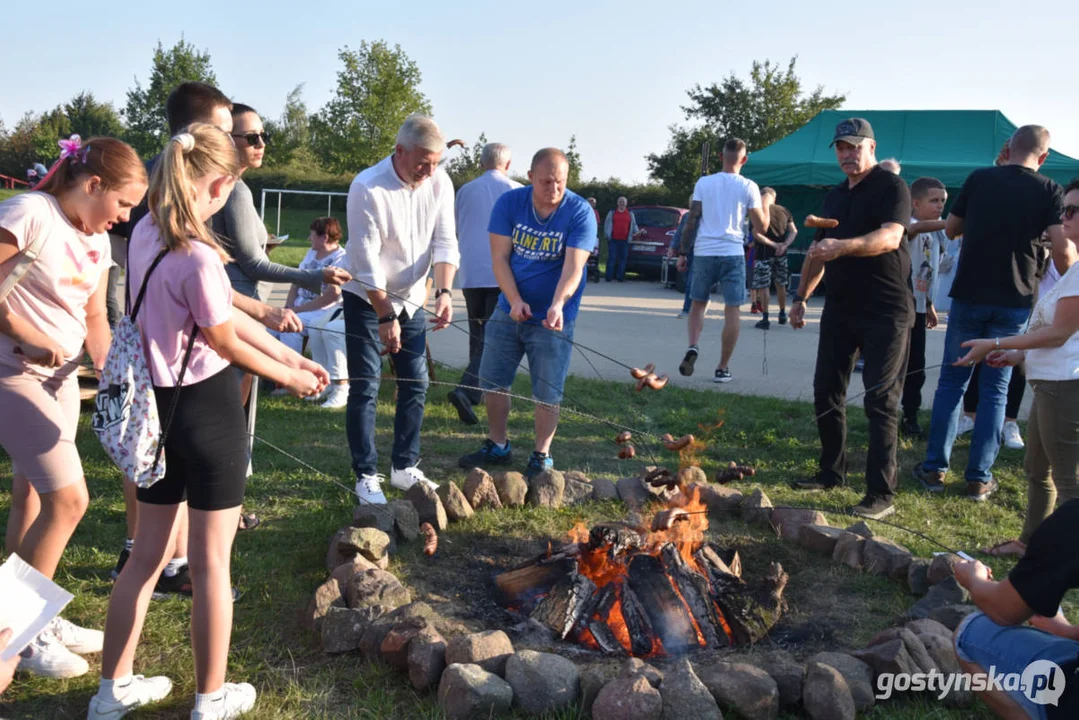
column 541, row 237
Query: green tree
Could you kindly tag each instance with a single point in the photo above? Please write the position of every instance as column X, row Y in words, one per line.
column 290, row 135
column 573, row 156
column 147, row 127
column 90, row 118
column 466, row 166
column 767, row 108
column 377, row 89
column 46, row 133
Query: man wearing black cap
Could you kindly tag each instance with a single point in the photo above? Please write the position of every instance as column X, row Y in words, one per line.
column 868, row 307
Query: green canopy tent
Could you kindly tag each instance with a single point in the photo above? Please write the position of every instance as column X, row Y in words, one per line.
column 945, row 144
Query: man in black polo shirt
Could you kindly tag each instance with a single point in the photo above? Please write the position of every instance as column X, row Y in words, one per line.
column 997, row 638
column 1001, row 212
column 868, row 307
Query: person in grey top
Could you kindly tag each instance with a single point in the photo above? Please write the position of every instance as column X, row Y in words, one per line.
column 479, row 286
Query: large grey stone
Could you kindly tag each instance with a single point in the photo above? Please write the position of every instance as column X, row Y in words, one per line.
column 928, row 625
column 489, row 649
column 628, row 698
column 344, row 572
column 547, row 489
column 857, row 674
column 349, row 542
column 788, row 522
column 721, row 499
column 889, row 657
column 373, row 516
column 327, row 595
column 941, row 648
column 692, row 475
column 685, row 696
column 480, row 491
column 378, row 590
column 946, row 592
column 744, row 688
column 542, row 682
column 406, row 521
column 593, row 679
column 429, row 505
column 825, row 695
column 787, row 673
column 371, row 543
column 943, row 567
column 635, row 666
column 849, row 550
column 342, row 629
column 426, row 661
column 577, row 491
column 468, row 692
column 604, row 489
column 915, row 648
column 861, row 529
column 454, row 501
column 918, row 577
column 757, row 508
column 884, row 557
column 632, row 491
column 512, row 488
column 371, row 642
column 819, row 539
column 394, row 648
column 951, row 615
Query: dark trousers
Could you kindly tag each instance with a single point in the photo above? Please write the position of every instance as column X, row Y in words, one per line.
column 883, row 344
column 480, row 303
column 1016, row 387
column 114, row 308
column 617, row 255
column 365, row 372
column 915, row 379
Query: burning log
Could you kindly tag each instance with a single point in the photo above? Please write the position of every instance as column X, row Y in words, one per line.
column 620, row 538
column 567, row 602
column 637, row 623
column 668, row 615
column 605, row 638
column 725, row 562
column 751, row 610
column 522, row 584
column 693, row 587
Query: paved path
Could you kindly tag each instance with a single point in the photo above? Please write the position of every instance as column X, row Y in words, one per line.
column 636, row 323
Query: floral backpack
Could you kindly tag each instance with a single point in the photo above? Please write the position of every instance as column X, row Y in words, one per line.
column 125, row 416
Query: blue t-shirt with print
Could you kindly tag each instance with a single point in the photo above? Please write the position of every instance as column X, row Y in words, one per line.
column 539, row 247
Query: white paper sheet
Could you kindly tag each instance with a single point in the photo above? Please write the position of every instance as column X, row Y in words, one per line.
column 28, row 602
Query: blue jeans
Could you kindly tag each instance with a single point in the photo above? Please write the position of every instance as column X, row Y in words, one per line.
column 981, row 641
column 505, row 342
column 728, row 271
column 688, row 302
column 968, row 321
column 617, row 255
column 365, row 371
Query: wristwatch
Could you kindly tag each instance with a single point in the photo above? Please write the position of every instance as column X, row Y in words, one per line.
column 797, row 298
column 387, row 318
column 443, row 291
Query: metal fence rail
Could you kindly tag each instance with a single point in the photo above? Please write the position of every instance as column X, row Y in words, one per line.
column 281, row 192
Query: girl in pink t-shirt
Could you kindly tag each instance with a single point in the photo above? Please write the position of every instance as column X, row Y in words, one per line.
column 188, row 301
column 49, row 319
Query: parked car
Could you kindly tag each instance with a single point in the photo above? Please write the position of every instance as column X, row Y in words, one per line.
column 659, row 222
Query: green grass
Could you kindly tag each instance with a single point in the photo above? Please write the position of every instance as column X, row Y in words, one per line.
column 296, row 223
column 280, row 564
column 5, row 194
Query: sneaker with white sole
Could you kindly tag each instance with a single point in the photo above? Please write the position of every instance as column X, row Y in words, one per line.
column 317, row 397
column 335, row 398
column 123, row 699
column 46, row 656
column 406, row 478
column 232, row 701
column 79, row 640
column 369, row 489
column 966, row 424
column 1013, row 440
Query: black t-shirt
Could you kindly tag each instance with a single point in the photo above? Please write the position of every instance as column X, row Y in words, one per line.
column 1005, row 210
column 1048, row 569
column 879, row 286
column 779, row 222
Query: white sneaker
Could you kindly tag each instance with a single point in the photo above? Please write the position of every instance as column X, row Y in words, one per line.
column 79, row 640
column 965, row 425
column 140, row 691
column 336, row 397
column 317, row 397
column 233, row 701
column 46, row 657
column 369, row 489
column 1012, row 439
column 404, row 479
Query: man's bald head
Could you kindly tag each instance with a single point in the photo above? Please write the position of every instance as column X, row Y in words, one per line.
column 1029, row 140
column 549, row 155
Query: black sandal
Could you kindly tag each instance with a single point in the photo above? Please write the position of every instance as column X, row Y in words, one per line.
column 248, row 521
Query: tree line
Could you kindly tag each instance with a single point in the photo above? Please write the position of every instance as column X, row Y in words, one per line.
column 378, row 86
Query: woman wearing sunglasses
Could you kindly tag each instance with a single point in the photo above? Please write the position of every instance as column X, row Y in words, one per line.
column 243, row 235
column 1050, row 349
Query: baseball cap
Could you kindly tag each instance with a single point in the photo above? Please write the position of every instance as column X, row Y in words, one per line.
column 852, row 130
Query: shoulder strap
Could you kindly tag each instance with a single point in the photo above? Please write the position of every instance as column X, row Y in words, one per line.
column 133, row 311
column 26, row 259
column 176, row 394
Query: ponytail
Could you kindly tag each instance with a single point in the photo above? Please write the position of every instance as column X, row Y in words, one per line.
column 199, row 150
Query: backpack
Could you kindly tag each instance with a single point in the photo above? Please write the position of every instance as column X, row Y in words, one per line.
column 26, row 259
column 125, row 417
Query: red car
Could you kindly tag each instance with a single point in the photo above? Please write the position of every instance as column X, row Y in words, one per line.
column 659, row 222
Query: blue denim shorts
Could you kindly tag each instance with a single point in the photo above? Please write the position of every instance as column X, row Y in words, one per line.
column 729, row 272
column 981, row 641
column 505, row 342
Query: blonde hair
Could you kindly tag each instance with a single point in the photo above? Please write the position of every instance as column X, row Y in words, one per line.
column 198, row 150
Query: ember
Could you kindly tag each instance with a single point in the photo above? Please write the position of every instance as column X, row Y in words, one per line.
column 648, row 590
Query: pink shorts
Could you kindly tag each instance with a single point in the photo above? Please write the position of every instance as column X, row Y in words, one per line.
column 37, row 427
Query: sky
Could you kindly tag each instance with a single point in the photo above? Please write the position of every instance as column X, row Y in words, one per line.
column 614, row 74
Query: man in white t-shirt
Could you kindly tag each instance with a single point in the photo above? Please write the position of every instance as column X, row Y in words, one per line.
column 715, row 233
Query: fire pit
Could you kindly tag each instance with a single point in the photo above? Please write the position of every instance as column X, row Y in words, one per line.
column 646, row 588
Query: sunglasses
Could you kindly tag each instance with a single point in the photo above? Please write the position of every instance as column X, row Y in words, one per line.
column 254, row 139
column 1069, row 211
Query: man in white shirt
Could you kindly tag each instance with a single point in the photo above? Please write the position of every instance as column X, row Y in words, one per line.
column 400, row 223
column 477, row 280
column 715, row 233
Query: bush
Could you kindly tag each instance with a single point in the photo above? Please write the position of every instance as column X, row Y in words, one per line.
column 293, row 178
